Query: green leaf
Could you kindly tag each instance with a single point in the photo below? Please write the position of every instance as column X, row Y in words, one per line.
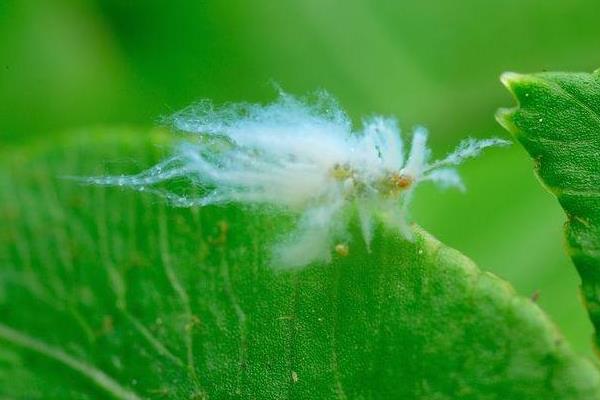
column 558, row 122
column 109, row 293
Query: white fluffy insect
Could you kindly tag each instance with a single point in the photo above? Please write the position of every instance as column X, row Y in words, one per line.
column 304, row 156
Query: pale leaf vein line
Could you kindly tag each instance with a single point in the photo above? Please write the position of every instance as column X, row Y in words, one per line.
column 179, row 291
column 153, row 341
column 95, row 375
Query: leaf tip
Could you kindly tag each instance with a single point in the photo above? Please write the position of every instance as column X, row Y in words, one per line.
column 504, row 116
column 511, row 79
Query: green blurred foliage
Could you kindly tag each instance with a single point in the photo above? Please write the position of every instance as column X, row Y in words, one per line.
column 69, row 64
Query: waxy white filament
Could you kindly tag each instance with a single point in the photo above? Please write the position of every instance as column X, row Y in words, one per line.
column 303, row 156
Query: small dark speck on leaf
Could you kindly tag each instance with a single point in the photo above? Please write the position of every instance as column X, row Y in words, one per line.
column 342, row 249
column 107, row 326
column 193, row 323
column 161, row 392
column 221, row 239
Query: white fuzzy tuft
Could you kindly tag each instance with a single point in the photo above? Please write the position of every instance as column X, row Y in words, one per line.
column 303, row 157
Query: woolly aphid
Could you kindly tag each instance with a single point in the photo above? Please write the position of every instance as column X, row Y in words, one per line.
column 303, row 156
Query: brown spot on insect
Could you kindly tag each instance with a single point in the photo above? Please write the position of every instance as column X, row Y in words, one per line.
column 342, row 249
column 535, row 296
column 400, row 182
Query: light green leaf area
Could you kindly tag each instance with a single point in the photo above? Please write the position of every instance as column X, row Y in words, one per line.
column 110, row 293
column 558, row 122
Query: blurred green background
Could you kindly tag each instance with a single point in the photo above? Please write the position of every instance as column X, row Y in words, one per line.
column 67, row 65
